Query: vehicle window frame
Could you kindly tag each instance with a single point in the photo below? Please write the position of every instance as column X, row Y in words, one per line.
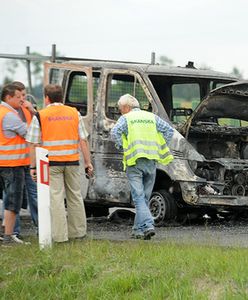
column 70, row 67
column 108, row 72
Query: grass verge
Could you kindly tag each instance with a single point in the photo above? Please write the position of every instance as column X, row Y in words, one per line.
column 92, row 269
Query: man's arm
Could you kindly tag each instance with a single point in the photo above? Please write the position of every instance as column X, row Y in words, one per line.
column 84, row 146
column 164, row 128
column 34, row 134
column 12, row 125
column 33, row 161
column 32, row 155
column 29, row 106
column 117, row 131
column 33, row 138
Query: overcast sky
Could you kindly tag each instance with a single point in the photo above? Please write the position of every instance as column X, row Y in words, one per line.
column 208, row 32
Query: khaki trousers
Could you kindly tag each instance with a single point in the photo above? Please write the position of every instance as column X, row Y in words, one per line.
column 65, row 181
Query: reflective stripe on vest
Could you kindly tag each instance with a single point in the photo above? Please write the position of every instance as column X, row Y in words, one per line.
column 143, row 140
column 151, row 153
column 62, row 152
column 59, row 125
column 13, row 147
column 59, row 143
column 14, row 151
column 14, row 156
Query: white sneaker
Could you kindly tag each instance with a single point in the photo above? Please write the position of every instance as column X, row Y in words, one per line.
column 16, row 239
column 13, row 239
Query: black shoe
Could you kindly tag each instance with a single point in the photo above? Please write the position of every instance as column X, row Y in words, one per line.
column 61, row 243
column 138, row 236
column 148, row 234
column 78, row 238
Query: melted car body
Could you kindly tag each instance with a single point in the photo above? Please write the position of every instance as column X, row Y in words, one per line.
column 218, row 129
column 208, row 173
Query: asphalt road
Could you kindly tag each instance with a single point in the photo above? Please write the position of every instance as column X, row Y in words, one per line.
column 221, row 232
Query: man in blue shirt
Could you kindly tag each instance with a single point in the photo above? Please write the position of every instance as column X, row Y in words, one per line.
column 143, row 146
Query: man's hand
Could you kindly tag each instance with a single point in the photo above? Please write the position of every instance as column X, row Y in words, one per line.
column 28, row 105
column 89, row 170
column 33, row 174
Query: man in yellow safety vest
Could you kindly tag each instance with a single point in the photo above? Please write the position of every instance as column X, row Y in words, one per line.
column 143, row 137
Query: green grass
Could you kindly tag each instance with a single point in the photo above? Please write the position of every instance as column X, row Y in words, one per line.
column 94, row 269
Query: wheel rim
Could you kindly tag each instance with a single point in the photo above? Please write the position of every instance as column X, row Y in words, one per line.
column 157, row 207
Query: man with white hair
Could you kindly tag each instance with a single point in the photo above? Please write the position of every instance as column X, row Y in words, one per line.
column 143, row 136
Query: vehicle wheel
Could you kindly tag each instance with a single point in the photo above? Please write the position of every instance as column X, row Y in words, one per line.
column 163, row 207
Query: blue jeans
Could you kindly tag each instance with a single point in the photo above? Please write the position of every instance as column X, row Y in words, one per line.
column 31, row 189
column 141, row 178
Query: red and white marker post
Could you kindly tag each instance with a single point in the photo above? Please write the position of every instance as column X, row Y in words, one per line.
column 42, row 169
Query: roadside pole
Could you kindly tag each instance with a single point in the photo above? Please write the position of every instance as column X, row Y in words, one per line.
column 42, row 165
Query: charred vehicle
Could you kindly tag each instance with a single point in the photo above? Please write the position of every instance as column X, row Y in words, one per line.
column 208, row 172
column 218, row 132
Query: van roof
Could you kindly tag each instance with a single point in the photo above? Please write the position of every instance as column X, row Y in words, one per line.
column 155, row 69
column 147, row 68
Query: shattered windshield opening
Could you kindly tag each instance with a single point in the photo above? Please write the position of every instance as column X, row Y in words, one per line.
column 181, row 95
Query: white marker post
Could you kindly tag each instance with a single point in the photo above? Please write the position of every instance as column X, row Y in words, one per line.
column 42, row 169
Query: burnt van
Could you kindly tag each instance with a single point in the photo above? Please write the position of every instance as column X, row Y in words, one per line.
column 209, row 111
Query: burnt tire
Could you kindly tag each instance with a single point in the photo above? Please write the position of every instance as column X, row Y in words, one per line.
column 92, row 211
column 163, row 207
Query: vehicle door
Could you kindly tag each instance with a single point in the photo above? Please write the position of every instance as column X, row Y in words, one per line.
column 110, row 183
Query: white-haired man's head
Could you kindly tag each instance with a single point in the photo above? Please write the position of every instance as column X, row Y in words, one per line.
column 127, row 102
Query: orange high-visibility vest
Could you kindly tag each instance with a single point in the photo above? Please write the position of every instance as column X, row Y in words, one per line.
column 13, row 151
column 27, row 114
column 28, row 117
column 59, row 130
